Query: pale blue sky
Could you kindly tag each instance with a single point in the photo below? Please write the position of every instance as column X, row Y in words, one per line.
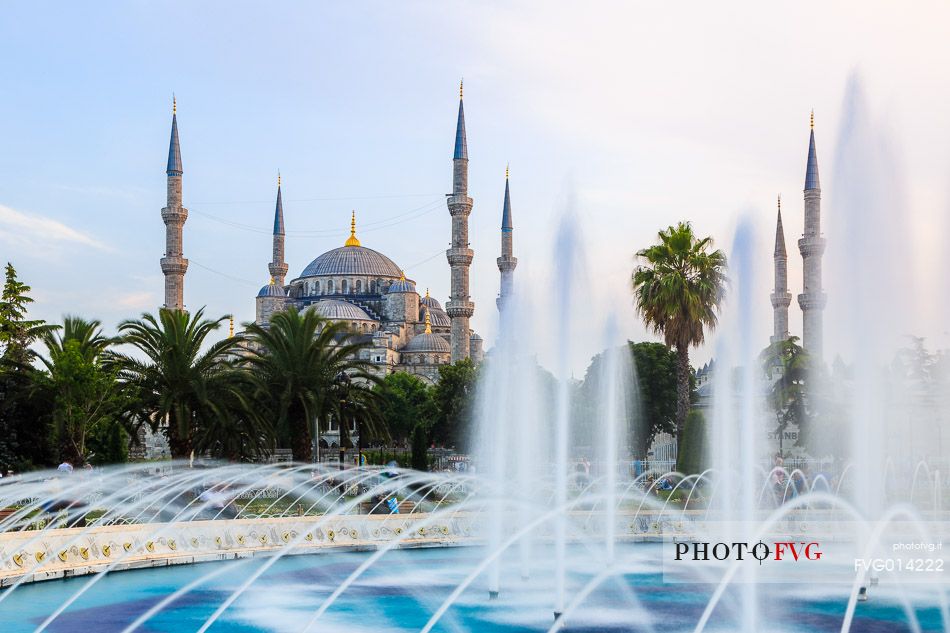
column 643, row 113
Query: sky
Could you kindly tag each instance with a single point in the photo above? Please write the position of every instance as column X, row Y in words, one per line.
column 629, row 116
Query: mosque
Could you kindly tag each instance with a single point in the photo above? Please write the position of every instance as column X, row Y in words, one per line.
column 401, row 329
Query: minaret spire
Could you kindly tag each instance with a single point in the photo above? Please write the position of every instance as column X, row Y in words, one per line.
column 812, row 246
column 507, row 262
column 460, row 306
column 174, row 265
column 781, row 298
column 278, row 267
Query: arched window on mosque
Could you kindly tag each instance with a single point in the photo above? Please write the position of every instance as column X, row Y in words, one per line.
column 372, row 286
column 344, row 286
column 329, row 286
column 359, row 286
column 316, row 287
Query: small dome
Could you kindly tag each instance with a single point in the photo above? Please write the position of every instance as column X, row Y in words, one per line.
column 428, row 343
column 403, row 285
column 340, row 310
column 475, row 337
column 272, row 290
column 438, row 317
column 430, row 302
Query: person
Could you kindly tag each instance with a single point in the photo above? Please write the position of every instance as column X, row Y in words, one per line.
column 778, row 478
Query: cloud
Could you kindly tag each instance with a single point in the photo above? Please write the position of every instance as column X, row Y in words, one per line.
column 19, row 227
column 136, row 300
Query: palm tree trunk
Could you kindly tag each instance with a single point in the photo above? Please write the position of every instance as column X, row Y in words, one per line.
column 682, row 391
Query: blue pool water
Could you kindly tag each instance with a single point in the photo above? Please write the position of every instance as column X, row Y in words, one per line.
column 405, row 588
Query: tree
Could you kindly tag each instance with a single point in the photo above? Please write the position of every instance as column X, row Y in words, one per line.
column 419, row 443
column 678, row 293
column 16, row 331
column 787, row 365
column 691, row 454
column 24, row 411
column 85, row 394
column 185, row 390
column 295, row 363
column 405, row 400
column 455, row 402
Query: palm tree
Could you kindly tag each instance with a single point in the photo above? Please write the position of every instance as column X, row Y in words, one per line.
column 241, row 432
column 678, row 293
column 296, row 361
column 190, row 389
column 90, row 341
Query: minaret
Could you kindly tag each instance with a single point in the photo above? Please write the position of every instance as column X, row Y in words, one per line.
column 507, row 262
column 460, row 307
column 174, row 215
column 278, row 267
column 812, row 245
column 781, row 298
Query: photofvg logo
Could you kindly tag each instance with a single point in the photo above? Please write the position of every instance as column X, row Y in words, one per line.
column 813, row 552
column 742, row 551
column 777, row 559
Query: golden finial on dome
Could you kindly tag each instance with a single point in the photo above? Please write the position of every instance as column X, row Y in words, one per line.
column 812, row 124
column 272, row 281
column 402, row 275
column 428, row 323
column 352, row 241
column 231, row 326
column 427, row 293
column 174, row 104
column 461, row 85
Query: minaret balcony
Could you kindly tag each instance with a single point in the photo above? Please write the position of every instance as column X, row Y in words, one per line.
column 460, row 256
column 455, row 308
column 812, row 301
column 781, row 300
column 459, row 204
column 174, row 265
column 812, row 246
column 507, row 264
column 174, row 215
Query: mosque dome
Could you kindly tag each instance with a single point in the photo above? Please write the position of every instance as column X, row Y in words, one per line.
column 272, row 290
column 353, row 259
column 403, row 285
column 428, row 342
column 438, row 316
column 340, row 310
column 430, row 302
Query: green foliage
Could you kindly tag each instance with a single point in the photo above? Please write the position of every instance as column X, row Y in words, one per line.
column 183, row 387
column 692, row 452
column 16, row 331
column 419, row 443
column 24, row 409
column 787, row 365
column 455, row 403
column 296, row 364
column 678, row 293
column 405, row 400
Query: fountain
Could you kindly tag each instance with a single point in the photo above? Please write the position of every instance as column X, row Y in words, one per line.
column 549, row 525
